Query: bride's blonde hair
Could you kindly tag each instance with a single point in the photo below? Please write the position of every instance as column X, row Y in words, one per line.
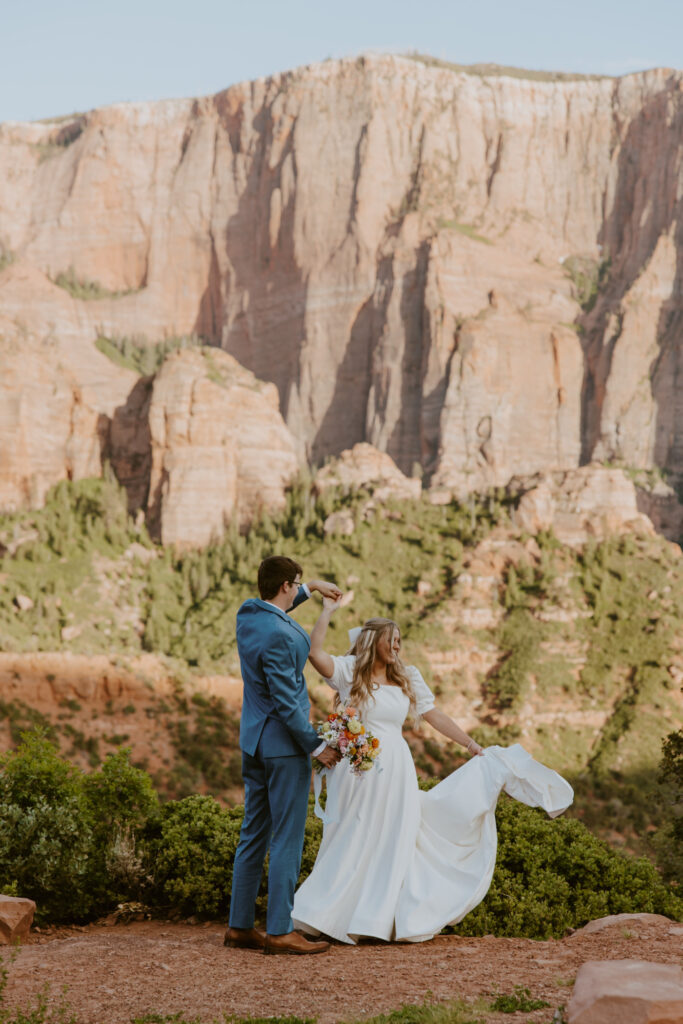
column 365, row 651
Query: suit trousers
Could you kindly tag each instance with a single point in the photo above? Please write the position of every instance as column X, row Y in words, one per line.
column 275, row 808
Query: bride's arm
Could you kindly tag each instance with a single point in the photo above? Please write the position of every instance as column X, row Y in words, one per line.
column 317, row 656
column 444, row 724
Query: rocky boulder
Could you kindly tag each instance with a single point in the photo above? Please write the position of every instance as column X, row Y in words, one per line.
column 16, row 918
column 365, row 465
column 219, row 448
column 628, row 991
column 600, row 923
column 592, row 501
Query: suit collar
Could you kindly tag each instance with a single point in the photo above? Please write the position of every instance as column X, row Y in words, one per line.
column 266, row 606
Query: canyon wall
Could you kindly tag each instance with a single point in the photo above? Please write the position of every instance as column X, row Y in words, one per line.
column 478, row 275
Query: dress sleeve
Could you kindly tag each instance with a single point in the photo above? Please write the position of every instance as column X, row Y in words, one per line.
column 342, row 676
column 424, row 698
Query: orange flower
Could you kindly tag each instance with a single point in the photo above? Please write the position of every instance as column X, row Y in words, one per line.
column 375, row 742
column 332, row 718
column 351, row 712
column 349, row 735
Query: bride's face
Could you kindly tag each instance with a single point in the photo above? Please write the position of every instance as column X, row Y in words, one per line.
column 389, row 646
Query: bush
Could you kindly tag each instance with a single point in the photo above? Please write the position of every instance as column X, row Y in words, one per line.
column 554, row 875
column 121, row 802
column 69, row 840
column 192, row 856
column 669, row 840
column 141, row 355
column 45, row 831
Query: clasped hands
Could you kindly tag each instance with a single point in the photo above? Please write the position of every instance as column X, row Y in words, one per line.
column 325, row 589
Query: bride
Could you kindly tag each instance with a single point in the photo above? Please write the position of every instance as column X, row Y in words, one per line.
column 394, row 862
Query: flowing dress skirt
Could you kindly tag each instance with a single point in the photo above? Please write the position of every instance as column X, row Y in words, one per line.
column 397, row 863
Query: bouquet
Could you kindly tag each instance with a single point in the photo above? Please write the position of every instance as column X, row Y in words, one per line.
column 344, row 731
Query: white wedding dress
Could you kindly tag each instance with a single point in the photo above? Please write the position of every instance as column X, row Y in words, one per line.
column 395, row 862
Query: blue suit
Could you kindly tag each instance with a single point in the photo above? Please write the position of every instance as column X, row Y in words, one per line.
column 276, row 738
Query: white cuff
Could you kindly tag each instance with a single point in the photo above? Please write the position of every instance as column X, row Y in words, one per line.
column 304, row 587
column 318, row 750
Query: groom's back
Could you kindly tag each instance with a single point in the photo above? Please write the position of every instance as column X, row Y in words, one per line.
column 258, row 630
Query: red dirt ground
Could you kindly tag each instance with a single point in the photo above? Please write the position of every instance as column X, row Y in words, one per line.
column 115, row 973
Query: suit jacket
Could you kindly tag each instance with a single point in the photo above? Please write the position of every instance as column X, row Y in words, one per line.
column 273, row 649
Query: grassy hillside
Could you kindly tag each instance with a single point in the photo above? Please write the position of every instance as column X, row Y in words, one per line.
column 576, row 654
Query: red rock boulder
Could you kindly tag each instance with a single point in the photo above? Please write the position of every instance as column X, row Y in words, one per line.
column 627, row 991
column 16, row 917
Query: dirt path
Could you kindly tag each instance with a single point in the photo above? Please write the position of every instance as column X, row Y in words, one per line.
column 114, row 974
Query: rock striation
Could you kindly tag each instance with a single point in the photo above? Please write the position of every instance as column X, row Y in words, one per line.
column 479, row 275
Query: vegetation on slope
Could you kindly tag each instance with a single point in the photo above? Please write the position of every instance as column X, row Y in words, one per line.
column 141, row 355
column 586, row 661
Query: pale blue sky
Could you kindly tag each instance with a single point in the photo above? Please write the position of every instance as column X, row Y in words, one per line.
column 56, row 58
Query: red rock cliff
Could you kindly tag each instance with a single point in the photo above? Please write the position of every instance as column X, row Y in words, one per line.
column 391, row 244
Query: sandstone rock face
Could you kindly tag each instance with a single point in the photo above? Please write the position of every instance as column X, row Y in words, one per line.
column 363, row 464
column 628, row 991
column 588, row 502
column 389, row 243
column 219, row 447
column 56, row 390
column 16, row 917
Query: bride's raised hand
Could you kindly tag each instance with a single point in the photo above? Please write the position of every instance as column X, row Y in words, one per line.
column 330, row 604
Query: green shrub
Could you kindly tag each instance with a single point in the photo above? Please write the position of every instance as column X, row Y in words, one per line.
column 589, row 278
column 192, row 855
column 520, row 1000
column 78, row 844
column 121, row 803
column 69, row 840
column 554, row 875
column 83, row 288
column 45, row 831
column 669, row 840
column 141, row 355
column 519, row 637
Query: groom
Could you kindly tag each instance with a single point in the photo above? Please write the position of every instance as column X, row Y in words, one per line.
column 277, row 740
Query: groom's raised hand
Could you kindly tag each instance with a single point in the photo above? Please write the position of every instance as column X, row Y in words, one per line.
column 325, row 589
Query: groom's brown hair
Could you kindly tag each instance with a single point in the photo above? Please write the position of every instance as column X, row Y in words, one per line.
column 273, row 572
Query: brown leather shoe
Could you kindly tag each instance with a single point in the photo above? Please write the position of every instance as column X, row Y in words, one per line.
column 244, row 938
column 293, row 943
